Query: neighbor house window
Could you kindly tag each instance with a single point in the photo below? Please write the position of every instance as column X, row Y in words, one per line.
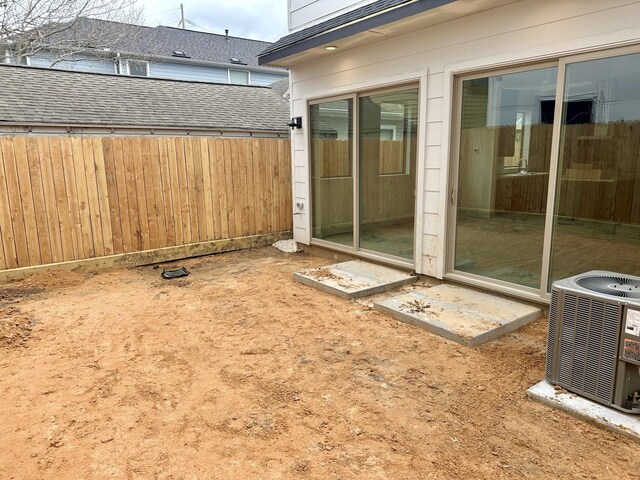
column 239, row 77
column 137, row 68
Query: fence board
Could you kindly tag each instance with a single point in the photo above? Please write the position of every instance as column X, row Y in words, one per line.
column 62, row 205
column 175, row 191
column 198, row 187
column 220, row 183
column 33, row 160
column 50, row 200
column 166, row 188
column 72, row 197
column 10, row 260
column 184, row 193
column 112, row 191
column 92, row 192
column 103, row 191
column 83, row 198
column 214, row 191
column 15, row 203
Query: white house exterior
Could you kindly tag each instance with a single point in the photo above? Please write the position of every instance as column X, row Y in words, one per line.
column 518, row 102
column 303, row 13
column 141, row 51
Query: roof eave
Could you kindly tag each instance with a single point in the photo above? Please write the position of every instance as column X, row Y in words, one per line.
column 359, row 26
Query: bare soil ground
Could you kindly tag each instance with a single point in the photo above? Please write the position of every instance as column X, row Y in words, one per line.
column 239, row 372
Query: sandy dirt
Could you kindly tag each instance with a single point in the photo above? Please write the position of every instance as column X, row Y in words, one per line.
column 237, row 371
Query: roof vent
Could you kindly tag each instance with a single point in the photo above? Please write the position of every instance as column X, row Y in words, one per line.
column 179, row 53
column 237, row 61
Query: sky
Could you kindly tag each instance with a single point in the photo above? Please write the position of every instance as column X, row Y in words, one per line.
column 257, row 19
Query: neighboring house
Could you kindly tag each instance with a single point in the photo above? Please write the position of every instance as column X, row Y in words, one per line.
column 514, row 156
column 100, row 46
column 46, row 101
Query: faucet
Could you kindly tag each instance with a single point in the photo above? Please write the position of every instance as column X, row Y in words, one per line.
column 522, row 166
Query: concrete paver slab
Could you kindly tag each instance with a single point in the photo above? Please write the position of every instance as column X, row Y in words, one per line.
column 461, row 314
column 354, row 279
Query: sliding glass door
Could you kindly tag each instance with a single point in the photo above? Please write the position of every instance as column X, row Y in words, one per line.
column 503, row 175
column 332, row 170
column 387, row 171
column 596, row 221
column 548, row 173
column 364, row 191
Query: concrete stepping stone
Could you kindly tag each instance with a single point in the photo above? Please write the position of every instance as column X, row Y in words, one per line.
column 457, row 313
column 354, row 279
column 585, row 409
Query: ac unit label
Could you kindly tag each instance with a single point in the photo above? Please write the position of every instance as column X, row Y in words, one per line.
column 631, row 350
column 632, row 325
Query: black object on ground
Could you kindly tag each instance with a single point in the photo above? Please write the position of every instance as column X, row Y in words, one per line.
column 180, row 272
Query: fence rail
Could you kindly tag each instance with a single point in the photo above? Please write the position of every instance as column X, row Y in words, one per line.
column 72, row 198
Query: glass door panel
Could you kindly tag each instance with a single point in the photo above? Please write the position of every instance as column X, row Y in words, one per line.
column 596, row 222
column 332, row 170
column 506, row 128
column 387, row 171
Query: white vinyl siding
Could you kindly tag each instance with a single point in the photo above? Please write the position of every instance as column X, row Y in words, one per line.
column 178, row 71
column 74, row 62
column 303, row 13
column 264, row 79
column 512, row 34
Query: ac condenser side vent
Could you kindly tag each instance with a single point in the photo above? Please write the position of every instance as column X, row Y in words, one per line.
column 551, row 336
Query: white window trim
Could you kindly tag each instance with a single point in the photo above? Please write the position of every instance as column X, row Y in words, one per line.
column 140, row 61
column 229, row 70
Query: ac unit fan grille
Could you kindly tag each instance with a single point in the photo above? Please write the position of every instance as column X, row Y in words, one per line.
column 611, row 285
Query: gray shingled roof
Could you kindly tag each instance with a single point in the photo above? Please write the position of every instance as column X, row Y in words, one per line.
column 349, row 23
column 162, row 41
column 280, row 86
column 42, row 96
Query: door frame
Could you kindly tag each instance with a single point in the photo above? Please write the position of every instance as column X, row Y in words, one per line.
column 540, row 294
column 355, row 171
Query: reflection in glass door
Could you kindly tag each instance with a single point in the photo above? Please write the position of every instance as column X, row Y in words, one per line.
column 596, row 222
column 506, row 126
column 332, row 170
column 366, row 205
column 387, row 171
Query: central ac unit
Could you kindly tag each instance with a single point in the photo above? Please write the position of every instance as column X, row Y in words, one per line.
column 593, row 340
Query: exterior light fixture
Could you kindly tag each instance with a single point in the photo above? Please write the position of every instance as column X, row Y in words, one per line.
column 331, row 48
column 296, row 122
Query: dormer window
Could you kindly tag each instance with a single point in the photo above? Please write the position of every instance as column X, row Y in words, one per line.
column 239, row 77
column 180, row 53
column 137, row 68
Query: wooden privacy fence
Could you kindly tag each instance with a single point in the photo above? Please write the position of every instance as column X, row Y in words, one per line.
column 387, row 182
column 598, row 174
column 73, row 198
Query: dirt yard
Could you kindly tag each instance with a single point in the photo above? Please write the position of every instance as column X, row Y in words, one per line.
column 239, row 372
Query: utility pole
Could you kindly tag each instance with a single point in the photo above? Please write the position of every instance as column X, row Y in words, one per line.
column 182, row 16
